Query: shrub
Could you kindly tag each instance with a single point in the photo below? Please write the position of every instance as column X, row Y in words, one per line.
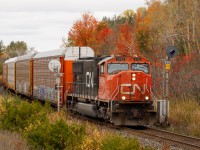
column 56, row 136
column 17, row 115
column 45, row 129
column 117, row 142
column 94, row 137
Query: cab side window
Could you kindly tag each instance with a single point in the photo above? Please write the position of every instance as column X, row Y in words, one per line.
column 102, row 68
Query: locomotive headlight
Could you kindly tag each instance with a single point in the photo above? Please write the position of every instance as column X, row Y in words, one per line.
column 146, row 97
column 133, row 78
column 133, row 75
column 123, row 98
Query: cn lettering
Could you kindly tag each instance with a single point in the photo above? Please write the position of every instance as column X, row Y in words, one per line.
column 89, row 79
column 133, row 89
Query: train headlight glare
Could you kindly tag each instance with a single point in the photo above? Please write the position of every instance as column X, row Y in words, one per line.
column 146, row 97
column 123, row 98
column 133, row 75
column 133, row 78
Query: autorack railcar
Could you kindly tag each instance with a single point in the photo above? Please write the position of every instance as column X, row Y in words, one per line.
column 24, row 74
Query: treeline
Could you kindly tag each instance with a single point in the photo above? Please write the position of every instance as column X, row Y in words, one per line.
column 12, row 50
column 148, row 32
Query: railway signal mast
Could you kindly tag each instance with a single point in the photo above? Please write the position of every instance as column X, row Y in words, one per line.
column 54, row 66
column 171, row 52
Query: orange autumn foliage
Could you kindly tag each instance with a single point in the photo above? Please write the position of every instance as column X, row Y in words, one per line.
column 82, row 32
column 126, row 42
column 89, row 32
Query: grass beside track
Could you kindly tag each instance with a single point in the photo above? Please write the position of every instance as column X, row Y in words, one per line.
column 185, row 117
column 12, row 140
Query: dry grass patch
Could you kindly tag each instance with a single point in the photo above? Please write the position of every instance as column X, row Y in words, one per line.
column 12, row 141
column 185, row 117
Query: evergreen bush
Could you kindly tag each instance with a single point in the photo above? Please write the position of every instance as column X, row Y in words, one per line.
column 56, row 136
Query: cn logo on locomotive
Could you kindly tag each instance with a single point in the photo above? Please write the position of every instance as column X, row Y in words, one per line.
column 133, row 89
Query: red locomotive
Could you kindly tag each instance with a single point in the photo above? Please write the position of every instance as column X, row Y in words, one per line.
column 115, row 88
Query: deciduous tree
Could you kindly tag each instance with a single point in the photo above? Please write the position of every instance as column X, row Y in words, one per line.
column 83, row 31
column 89, row 32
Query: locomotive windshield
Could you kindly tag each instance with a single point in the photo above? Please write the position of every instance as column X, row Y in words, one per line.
column 115, row 68
column 141, row 67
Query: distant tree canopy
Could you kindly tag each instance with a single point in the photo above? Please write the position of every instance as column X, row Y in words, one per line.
column 16, row 49
column 12, row 50
column 2, row 47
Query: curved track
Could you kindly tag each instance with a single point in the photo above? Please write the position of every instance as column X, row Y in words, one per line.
column 165, row 137
column 161, row 136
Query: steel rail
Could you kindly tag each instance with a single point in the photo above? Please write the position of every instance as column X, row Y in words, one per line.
column 174, row 139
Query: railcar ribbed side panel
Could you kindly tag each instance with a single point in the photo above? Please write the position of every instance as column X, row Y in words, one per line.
column 44, row 81
column 23, row 77
column 11, row 76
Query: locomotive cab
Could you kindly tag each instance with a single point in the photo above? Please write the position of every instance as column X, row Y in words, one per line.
column 126, row 79
column 125, row 82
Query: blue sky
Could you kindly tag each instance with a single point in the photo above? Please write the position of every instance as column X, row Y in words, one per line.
column 43, row 23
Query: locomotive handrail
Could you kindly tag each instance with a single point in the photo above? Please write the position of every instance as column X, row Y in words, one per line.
column 153, row 96
column 67, row 91
column 82, row 90
column 114, row 91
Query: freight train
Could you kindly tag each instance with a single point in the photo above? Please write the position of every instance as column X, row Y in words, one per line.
column 114, row 88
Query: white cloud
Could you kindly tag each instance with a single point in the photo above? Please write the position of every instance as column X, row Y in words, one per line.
column 42, row 23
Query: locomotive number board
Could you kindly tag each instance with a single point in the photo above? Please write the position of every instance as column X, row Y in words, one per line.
column 120, row 59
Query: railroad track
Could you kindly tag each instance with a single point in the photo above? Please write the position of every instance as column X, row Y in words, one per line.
column 164, row 137
column 167, row 138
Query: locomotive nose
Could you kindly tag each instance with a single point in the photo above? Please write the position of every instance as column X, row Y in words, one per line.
column 133, row 86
